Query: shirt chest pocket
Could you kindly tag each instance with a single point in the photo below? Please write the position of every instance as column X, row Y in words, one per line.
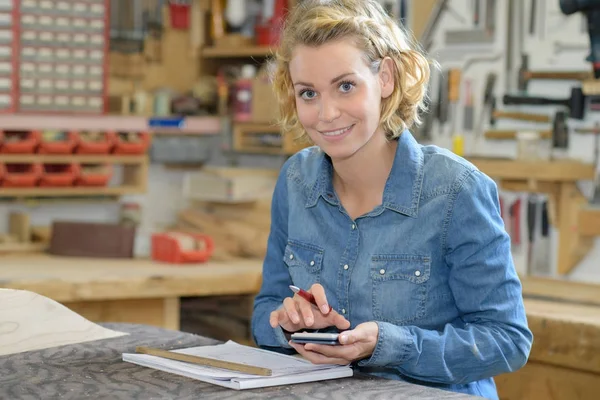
column 304, row 262
column 400, row 287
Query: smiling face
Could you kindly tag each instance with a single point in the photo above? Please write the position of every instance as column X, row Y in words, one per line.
column 338, row 96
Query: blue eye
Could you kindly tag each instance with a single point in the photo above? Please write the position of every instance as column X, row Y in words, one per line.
column 347, row 86
column 308, row 94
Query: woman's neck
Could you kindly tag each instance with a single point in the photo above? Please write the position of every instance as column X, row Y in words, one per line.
column 365, row 173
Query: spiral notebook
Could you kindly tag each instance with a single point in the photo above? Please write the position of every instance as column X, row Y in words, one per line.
column 286, row 370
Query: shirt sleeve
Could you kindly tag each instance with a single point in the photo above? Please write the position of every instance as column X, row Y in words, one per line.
column 275, row 276
column 491, row 336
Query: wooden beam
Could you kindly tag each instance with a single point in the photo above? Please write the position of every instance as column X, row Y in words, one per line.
column 572, row 247
column 565, row 171
column 560, row 289
column 589, row 221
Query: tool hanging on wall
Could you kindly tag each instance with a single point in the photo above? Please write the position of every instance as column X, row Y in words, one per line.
column 596, row 132
column 498, row 114
column 489, row 103
column 454, row 76
column 512, row 134
column 525, row 74
column 575, row 103
column 560, row 135
column 476, row 36
column 468, row 107
column 591, row 9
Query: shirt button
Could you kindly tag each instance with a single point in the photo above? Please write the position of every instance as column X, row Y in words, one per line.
column 313, row 263
column 291, row 256
column 343, row 311
column 346, row 266
column 382, row 271
column 418, row 273
column 353, row 226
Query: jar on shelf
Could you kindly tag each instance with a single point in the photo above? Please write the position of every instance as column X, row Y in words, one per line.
column 242, row 99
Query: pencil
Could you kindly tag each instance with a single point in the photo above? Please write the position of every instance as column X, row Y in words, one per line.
column 210, row 362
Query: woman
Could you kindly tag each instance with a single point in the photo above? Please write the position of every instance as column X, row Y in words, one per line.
column 404, row 241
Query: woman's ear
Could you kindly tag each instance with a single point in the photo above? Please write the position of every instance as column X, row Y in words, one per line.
column 387, row 77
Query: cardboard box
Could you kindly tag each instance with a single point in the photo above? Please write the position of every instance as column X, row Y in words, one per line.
column 264, row 103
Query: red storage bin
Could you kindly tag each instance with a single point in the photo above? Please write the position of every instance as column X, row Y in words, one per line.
column 179, row 247
column 20, row 142
column 53, row 142
column 95, row 142
column 131, row 142
column 59, row 174
column 94, row 175
column 21, row 175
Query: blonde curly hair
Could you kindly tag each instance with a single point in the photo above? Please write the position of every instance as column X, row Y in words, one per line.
column 316, row 22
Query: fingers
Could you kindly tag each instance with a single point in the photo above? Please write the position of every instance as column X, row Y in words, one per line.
column 318, row 292
column 291, row 309
column 317, row 358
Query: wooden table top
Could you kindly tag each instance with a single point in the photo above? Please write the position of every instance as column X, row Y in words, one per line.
column 79, row 279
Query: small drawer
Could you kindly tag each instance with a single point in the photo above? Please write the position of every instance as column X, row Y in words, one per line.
column 29, row 38
column 95, row 86
column 5, row 84
column 62, row 101
column 97, row 40
column 5, row 67
column 96, row 55
column 5, row 100
column 27, row 84
column 45, row 69
column 80, row 55
column 62, row 85
column 79, row 23
column 97, row 24
column 97, row 9
column 96, row 102
column 62, row 23
column 6, row 36
column 79, row 70
column 29, row 5
column 46, row 37
column 44, row 100
column 80, row 9
column 46, row 5
column 29, row 53
column 96, row 71
column 5, row 20
column 27, row 100
column 46, row 85
column 63, row 54
column 45, row 54
column 46, row 21
column 80, row 39
column 28, row 20
column 78, row 86
column 5, row 52
column 78, row 101
column 63, row 69
column 63, row 38
column 63, row 6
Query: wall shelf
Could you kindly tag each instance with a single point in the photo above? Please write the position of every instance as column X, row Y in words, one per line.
column 237, row 52
column 563, row 171
column 191, row 125
column 134, row 176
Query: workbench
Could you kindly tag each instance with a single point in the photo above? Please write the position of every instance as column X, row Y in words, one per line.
column 95, row 370
column 127, row 290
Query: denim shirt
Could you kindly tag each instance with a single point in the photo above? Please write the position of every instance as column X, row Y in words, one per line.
column 431, row 265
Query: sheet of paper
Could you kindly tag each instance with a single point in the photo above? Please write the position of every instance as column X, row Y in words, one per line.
column 279, row 364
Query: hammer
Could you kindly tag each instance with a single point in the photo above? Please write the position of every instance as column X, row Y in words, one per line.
column 525, row 75
column 575, row 103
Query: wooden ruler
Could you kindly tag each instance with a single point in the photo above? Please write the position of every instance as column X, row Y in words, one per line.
column 210, row 362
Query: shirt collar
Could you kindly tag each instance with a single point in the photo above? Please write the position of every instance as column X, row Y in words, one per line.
column 402, row 189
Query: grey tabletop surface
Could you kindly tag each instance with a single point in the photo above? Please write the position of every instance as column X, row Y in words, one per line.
column 95, row 370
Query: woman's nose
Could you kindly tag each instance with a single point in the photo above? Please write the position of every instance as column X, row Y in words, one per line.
column 329, row 111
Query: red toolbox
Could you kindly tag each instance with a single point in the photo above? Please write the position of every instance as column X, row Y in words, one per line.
column 95, row 142
column 21, row 175
column 20, row 142
column 131, row 142
column 57, row 142
column 59, row 174
column 179, row 247
column 94, row 175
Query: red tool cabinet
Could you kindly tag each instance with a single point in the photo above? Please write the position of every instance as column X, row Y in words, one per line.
column 54, row 56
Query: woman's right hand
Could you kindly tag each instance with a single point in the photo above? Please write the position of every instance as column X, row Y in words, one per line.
column 296, row 313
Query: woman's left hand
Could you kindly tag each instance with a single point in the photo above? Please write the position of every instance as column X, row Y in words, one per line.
column 356, row 344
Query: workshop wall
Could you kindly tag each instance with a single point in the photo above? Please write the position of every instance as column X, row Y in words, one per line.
column 555, row 42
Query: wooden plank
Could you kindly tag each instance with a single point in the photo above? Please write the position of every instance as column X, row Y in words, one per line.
column 589, row 221
column 537, row 381
column 565, row 335
column 71, row 191
column 32, row 322
column 572, row 248
column 69, row 279
column 155, row 311
column 559, row 289
column 567, row 171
